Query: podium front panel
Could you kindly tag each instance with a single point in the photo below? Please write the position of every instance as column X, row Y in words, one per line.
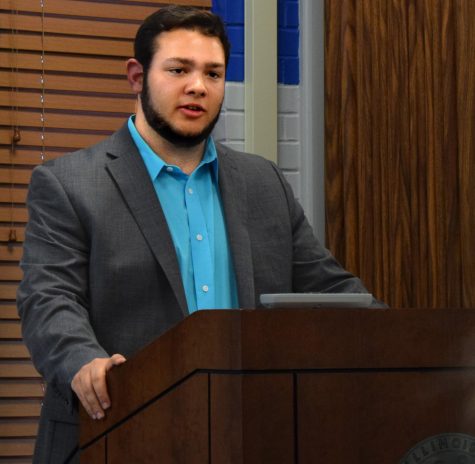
column 96, row 453
column 252, row 418
column 378, row 417
column 171, row 429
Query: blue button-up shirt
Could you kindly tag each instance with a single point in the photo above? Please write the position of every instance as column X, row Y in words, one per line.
column 192, row 207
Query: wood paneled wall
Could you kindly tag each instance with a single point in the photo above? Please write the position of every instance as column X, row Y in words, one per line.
column 84, row 45
column 400, row 147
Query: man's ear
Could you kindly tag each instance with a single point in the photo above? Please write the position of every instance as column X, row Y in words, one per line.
column 135, row 75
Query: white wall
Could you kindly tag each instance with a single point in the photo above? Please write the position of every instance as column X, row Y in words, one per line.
column 230, row 128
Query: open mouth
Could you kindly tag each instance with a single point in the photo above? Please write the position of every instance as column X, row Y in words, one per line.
column 192, row 110
column 192, row 107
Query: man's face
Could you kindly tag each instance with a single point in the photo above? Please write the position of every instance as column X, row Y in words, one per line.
column 183, row 90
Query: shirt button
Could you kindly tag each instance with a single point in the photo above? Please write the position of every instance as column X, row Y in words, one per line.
column 205, row 288
column 199, row 237
column 190, row 191
column 169, row 169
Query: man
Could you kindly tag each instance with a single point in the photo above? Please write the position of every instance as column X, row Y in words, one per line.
column 128, row 237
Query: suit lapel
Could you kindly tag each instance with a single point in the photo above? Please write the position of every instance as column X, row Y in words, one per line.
column 131, row 177
column 233, row 194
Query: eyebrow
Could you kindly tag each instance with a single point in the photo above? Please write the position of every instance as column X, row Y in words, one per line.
column 188, row 62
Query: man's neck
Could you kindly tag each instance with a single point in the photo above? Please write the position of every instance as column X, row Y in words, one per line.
column 186, row 158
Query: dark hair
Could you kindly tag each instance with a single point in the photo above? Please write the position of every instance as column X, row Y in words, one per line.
column 173, row 17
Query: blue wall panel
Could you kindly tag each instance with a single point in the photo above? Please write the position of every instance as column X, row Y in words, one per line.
column 232, row 12
column 288, row 40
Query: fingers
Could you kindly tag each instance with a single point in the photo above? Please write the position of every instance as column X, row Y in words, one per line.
column 90, row 385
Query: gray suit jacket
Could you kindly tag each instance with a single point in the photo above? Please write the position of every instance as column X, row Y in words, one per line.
column 101, row 275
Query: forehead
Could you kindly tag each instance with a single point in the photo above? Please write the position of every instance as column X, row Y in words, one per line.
column 188, row 44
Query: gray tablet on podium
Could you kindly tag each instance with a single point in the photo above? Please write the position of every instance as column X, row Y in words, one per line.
column 316, row 300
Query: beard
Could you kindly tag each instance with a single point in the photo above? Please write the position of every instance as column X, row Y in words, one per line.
column 164, row 128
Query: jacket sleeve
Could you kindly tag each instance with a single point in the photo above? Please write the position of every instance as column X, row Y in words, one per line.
column 52, row 298
column 315, row 269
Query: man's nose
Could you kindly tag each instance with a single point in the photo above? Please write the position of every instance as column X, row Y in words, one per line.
column 196, row 85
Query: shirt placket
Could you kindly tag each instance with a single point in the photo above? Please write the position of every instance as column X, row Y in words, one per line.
column 200, row 248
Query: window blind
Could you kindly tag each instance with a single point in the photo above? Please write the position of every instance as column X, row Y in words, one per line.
column 62, row 87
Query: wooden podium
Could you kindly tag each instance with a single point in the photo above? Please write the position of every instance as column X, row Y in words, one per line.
column 295, row 386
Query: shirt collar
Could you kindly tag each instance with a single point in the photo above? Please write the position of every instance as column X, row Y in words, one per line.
column 155, row 164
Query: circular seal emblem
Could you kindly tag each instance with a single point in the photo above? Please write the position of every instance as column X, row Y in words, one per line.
column 446, row 448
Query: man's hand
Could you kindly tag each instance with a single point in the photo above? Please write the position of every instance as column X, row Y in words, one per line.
column 90, row 386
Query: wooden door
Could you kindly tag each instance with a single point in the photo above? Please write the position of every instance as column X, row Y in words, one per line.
column 400, row 147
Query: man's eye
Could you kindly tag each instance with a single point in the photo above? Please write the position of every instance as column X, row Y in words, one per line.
column 176, row 70
column 214, row 75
